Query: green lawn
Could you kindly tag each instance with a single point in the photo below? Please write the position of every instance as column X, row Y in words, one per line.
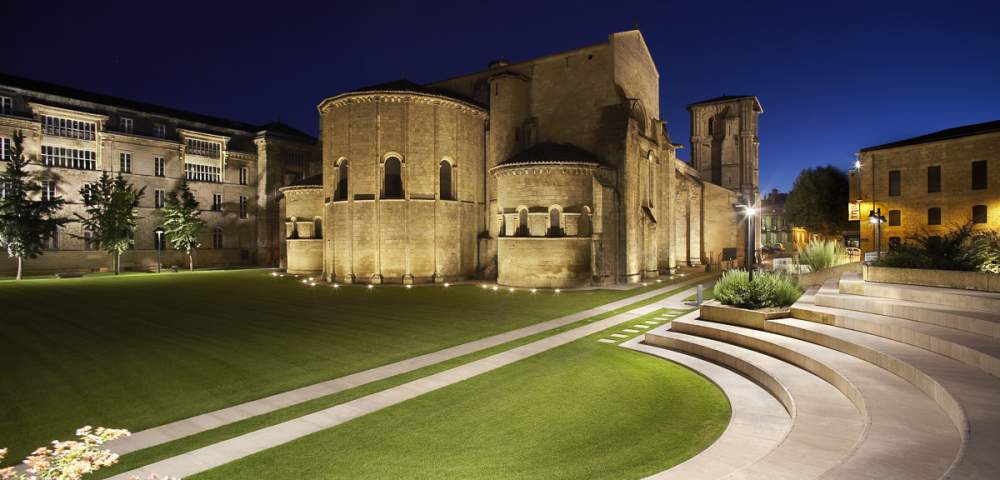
column 142, row 350
column 583, row 410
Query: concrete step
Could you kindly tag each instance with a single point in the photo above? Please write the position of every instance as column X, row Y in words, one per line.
column 964, row 318
column 759, row 423
column 968, row 395
column 826, row 426
column 968, row 299
column 894, row 446
column 976, row 350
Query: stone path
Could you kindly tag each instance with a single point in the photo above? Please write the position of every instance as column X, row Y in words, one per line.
column 235, row 448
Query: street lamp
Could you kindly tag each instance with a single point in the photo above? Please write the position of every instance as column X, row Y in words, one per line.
column 159, row 241
column 876, row 219
column 750, row 213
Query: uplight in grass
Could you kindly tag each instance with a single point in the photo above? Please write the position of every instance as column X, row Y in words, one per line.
column 409, row 287
column 446, row 284
column 557, row 290
column 370, row 286
column 534, row 290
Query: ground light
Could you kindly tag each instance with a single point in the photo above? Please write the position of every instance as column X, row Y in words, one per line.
column 370, row 286
column 511, row 290
column 534, row 290
column 495, row 288
column 557, row 290
column 336, row 285
column 409, row 287
column 446, row 284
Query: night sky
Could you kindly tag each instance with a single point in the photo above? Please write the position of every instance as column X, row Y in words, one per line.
column 833, row 77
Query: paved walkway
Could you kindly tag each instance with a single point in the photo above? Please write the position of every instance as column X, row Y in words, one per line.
column 233, row 449
column 183, row 428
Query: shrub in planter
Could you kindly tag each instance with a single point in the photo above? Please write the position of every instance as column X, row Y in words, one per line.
column 821, row 254
column 768, row 290
column 961, row 248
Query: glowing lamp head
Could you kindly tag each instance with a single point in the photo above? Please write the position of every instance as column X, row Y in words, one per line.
column 751, row 211
column 857, row 164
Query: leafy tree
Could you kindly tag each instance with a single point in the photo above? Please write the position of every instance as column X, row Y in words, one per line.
column 111, row 205
column 818, row 201
column 182, row 222
column 26, row 225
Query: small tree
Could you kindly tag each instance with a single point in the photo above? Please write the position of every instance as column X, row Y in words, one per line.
column 26, row 225
column 818, row 201
column 112, row 212
column 182, row 221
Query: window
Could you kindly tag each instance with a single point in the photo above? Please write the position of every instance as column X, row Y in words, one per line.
column 342, row 176
column 158, row 166
column 711, row 125
column 895, row 178
column 203, row 148
column 48, row 190
column 979, row 180
column 52, row 243
column 243, row 207
column 5, row 153
column 522, row 223
column 445, row 181
column 934, row 216
column 69, row 158
column 89, row 243
column 125, row 162
column 6, row 105
column 217, row 237
column 160, row 198
column 161, row 130
column 934, row 179
column 126, row 124
column 202, row 173
column 216, row 202
column 65, row 127
column 243, row 175
column 393, row 184
column 555, row 227
column 894, row 243
column 894, row 218
column 979, row 214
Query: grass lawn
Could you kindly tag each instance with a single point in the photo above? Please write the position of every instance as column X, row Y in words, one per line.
column 142, row 350
column 584, row 410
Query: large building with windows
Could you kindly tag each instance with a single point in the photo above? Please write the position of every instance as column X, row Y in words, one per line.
column 929, row 184
column 235, row 170
column 551, row 172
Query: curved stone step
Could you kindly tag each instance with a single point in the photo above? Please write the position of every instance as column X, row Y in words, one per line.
column 967, row 394
column 979, row 351
column 826, row 426
column 984, row 301
column 894, row 447
column 963, row 318
column 758, row 424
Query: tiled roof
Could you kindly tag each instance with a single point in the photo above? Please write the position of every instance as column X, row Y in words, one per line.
column 308, row 181
column 404, row 85
column 947, row 134
column 553, row 152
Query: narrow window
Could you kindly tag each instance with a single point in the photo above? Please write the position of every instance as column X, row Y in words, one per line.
column 979, row 179
column 5, row 148
column 53, row 241
column 89, row 243
column 445, row 181
column 894, row 220
column 49, row 192
column 393, row 182
column 159, row 198
column 244, row 173
column 6, row 105
column 522, row 223
column 555, row 227
column 934, row 216
column 895, row 178
column 979, row 214
column 934, row 179
column 126, row 124
column 711, row 125
column 217, row 202
column 125, row 162
column 161, row 130
column 217, row 238
column 243, row 207
column 158, row 166
column 341, row 193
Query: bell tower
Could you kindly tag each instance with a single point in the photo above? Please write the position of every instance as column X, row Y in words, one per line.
column 724, row 142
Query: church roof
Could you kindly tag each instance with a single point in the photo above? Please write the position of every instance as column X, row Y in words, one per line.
column 315, row 180
column 727, row 98
column 404, row 85
column 946, row 134
column 287, row 130
column 549, row 152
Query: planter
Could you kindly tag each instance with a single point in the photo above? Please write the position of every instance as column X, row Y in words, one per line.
column 717, row 312
column 980, row 281
column 818, row 278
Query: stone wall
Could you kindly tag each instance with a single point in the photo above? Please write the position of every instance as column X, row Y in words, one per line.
column 544, row 262
column 305, row 256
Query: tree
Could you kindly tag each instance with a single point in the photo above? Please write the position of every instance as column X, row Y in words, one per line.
column 818, row 201
column 112, row 211
column 182, row 222
column 26, row 225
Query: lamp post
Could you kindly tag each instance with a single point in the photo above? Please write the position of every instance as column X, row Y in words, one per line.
column 750, row 212
column 159, row 242
column 876, row 219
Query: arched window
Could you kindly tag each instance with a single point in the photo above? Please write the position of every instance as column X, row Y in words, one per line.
column 393, row 185
column 342, row 176
column 217, row 237
column 555, row 225
column 317, row 227
column 522, row 223
column 584, row 228
column 711, row 125
column 445, row 181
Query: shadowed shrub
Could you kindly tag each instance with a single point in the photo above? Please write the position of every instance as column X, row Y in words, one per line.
column 766, row 290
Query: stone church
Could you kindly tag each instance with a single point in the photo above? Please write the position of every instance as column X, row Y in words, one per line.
column 552, row 172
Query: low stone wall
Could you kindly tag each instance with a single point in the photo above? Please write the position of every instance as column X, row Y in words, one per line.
column 305, row 256
column 818, row 278
column 58, row 261
column 981, row 281
column 717, row 312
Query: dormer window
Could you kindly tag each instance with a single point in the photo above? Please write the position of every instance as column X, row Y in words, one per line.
column 126, row 124
column 6, row 105
column 161, row 130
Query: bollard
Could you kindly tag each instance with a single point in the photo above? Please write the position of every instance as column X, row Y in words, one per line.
column 701, row 294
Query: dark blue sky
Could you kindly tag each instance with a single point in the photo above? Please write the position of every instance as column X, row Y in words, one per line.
column 833, row 76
